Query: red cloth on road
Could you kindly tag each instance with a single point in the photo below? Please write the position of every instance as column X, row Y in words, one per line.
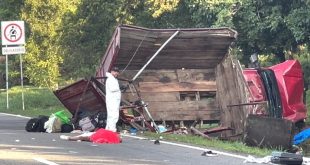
column 105, row 136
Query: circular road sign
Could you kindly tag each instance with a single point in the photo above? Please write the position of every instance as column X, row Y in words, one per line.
column 13, row 33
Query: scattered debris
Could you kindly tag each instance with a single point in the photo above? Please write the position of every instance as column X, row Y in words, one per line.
column 181, row 130
column 64, row 137
column 252, row 159
column 162, row 128
column 73, row 152
column 286, row 158
column 133, row 131
column 209, row 153
column 157, row 142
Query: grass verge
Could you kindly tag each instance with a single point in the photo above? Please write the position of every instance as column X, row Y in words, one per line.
column 236, row 147
column 37, row 101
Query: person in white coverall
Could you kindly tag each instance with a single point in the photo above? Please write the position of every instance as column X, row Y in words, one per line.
column 113, row 99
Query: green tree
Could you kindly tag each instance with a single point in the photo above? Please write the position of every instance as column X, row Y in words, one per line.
column 10, row 9
column 268, row 27
column 158, row 7
column 43, row 19
column 298, row 20
column 86, row 33
column 83, row 33
column 214, row 13
column 166, row 16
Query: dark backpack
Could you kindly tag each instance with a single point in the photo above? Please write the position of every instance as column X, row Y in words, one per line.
column 66, row 128
column 32, row 125
column 101, row 119
column 36, row 124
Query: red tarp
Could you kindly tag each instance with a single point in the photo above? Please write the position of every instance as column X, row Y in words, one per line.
column 289, row 77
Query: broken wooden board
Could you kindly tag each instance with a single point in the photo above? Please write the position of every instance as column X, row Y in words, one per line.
column 268, row 132
column 82, row 95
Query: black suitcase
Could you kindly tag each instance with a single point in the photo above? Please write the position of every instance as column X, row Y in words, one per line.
column 286, row 158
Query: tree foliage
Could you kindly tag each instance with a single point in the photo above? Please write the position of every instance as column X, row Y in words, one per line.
column 266, row 26
column 85, row 35
column 10, row 9
column 69, row 38
column 214, row 13
column 158, row 7
column 42, row 59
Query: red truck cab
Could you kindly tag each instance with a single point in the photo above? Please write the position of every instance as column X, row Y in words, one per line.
column 282, row 86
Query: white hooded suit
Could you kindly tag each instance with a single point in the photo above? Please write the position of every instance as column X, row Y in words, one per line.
column 113, row 99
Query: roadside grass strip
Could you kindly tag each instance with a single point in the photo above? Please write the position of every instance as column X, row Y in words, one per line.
column 188, row 146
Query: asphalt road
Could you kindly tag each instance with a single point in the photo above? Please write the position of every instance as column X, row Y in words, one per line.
column 20, row 147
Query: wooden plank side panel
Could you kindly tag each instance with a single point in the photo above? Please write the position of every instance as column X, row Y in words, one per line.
column 188, row 65
column 182, row 105
column 231, row 90
column 185, row 33
column 174, row 87
column 190, row 75
column 161, row 90
column 145, row 51
column 186, row 115
column 88, row 102
column 224, row 71
column 151, row 42
column 184, row 110
column 179, row 75
column 176, row 55
column 155, row 97
column 152, row 75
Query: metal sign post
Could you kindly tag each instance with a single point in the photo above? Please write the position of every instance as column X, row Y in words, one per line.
column 22, row 79
column 7, row 80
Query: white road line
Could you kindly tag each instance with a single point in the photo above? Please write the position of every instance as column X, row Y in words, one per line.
column 45, row 161
column 191, row 147
column 25, row 117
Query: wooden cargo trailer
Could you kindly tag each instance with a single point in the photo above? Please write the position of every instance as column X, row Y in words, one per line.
column 173, row 69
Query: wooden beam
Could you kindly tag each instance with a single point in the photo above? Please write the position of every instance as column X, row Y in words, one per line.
column 170, row 116
column 155, row 97
column 174, row 87
column 158, row 65
column 196, row 131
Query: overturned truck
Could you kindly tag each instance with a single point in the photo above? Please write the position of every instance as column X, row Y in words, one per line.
column 171, row 76
column 171, row 70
